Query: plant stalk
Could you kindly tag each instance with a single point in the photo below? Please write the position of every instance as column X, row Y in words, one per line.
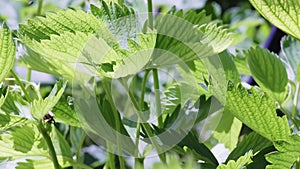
column 48, row 140
column 40, row 6
column 157, row 98
column 27, row 97
column 107, row 89
column 150, row 14
column 138, row 161
column 28, row 74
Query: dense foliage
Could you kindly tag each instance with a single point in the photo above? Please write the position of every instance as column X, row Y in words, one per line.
column 172, row 81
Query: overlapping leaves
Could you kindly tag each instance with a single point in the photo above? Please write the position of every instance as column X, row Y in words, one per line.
column 288, row 152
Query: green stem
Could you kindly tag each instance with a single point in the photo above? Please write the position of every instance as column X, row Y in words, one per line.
column 157, row 98
column 295, row 104
column 111, row 156
column 150, row 14
column 79, row 159
column 27, row 97
column 138, row 128
column 48, row 140
column 40, row 5
column 147, row 127
column 295, row 100
column 28, row 74
column 107, row 89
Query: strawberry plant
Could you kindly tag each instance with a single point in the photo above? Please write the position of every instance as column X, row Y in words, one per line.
column 150, row 89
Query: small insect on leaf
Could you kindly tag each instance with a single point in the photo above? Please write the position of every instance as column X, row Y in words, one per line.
column 49, row 117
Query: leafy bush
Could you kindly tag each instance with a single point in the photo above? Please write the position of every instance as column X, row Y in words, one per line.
column 151, row 84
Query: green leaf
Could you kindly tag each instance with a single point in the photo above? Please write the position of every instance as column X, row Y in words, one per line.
column 269, row 72
column 40, row 107
column 288, row 152
column 21, row 142
column 257, row 111
column 68, row 20
column 283, row 14
column 30, row 164
column 8, row 121
column 24, row 142
column 61, row 146
column 190, row 32
column 290, row 54
column 111, row 12
column 34, row 61
column 2, row 99
column 199, row 150
column 60, row 47
column 240, row 163
column 219, row 37
column 66, row 114
column 241, row 65
column 229, row 67
column 7, row 52
column 228, row 130
column 172, row 98
column 253, row 142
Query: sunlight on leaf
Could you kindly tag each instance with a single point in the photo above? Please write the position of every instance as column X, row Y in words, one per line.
column 253, row 142
column 269, row 72
column 41, row 106
column 7, row 52
column 288, row 152
column 257, row 111
column 284, row 14
column 240, row 163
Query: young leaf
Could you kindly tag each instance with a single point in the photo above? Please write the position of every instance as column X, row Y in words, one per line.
column 288, row 152
column 283, row 14
column 7, row 52
column 269, row 72
column 257, row 111
column 111, row 12
column 240, row 163
column 39, row 108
